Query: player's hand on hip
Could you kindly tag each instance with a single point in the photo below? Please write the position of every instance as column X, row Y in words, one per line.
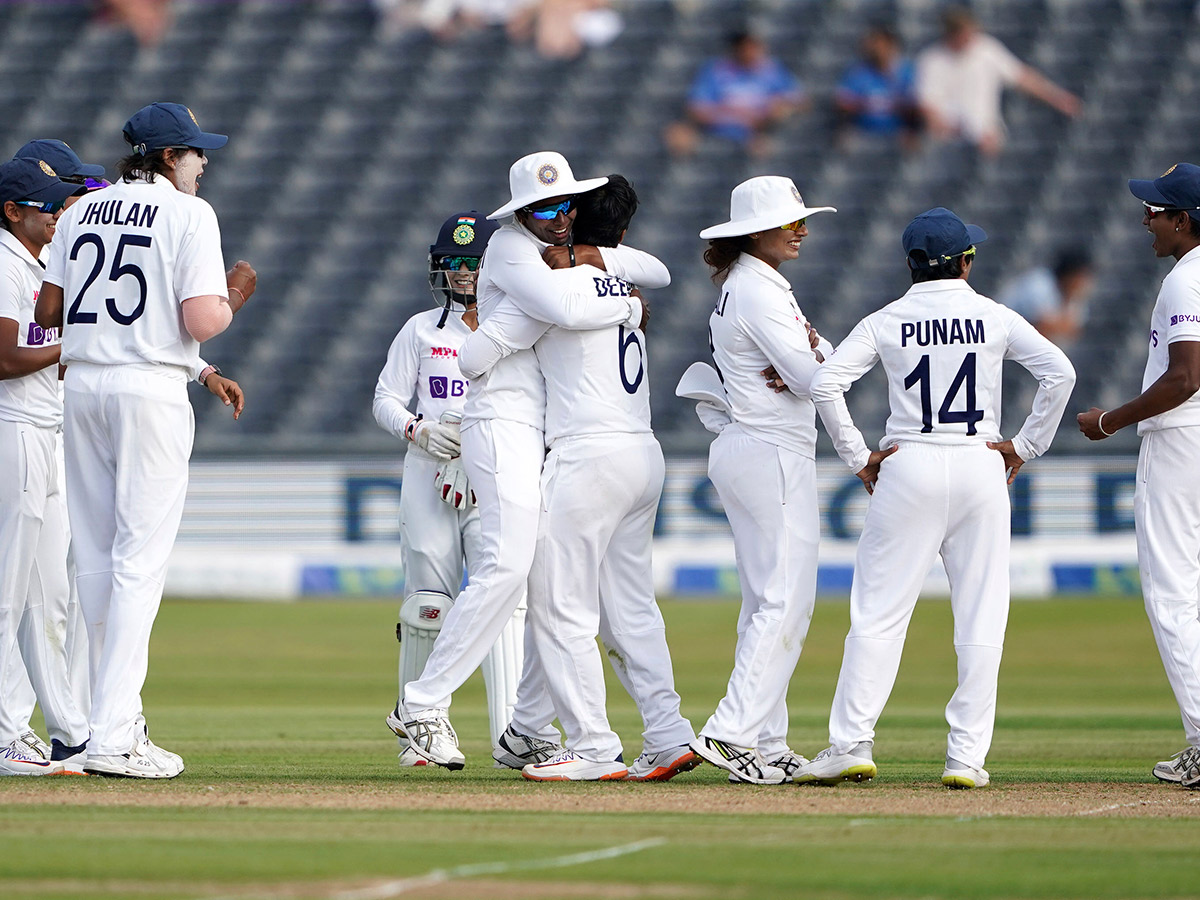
column 452, row 485
column 774, row 381
column 228, row 391
column 241, row 279
column 438, row 439
column 1089, row 424
column 1012, row 462
column 869, row 474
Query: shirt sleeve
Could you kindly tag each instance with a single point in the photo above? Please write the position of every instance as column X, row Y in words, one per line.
column 705, row 88
column 1056, row 377
column 569, row 298
column 635, row 266
column 784, row 83
column 397, row 382
column 1006, row 63
column 505, row 331
column 10, row 297
column 772, row 321
column 56, row 264
column 1180, row 301
column 199, row 266
column 853, row 358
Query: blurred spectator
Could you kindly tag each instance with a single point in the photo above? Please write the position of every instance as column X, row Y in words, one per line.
column 875, row 96
column 739, row 97
column 562, row 28
column 960, row 80
column 147, row 19
column 1054, row 300
column 446, row 19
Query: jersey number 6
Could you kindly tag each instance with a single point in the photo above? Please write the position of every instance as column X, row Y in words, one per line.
column 624, row 339
column 118, row 271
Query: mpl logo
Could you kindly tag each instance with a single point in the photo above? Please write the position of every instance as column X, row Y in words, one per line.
column 429, row 613
column 1187, row 317
column 440, row 352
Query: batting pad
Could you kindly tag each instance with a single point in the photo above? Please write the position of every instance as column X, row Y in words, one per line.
column 502, row 672
column 421, row 618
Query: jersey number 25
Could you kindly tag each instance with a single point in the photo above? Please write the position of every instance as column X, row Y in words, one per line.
column 76, row 316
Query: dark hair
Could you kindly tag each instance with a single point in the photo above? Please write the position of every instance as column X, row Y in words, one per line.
column 136, row 166
column 604, row 213
column 723, row 252
column 951, row 268
column 1193, row 222
column 1071, row 260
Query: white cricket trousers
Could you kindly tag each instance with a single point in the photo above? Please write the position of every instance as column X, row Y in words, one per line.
column 503, row 462
column 592, row 575
column 770, row 497
column 34, row 587
column 1166, row 508
column 436, row 539
column 930, row 499
column 128, row 433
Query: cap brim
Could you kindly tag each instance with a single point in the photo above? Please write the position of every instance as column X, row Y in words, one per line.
column 205, row 140
column 561, row 189
column 1145, row 190
column 741, row 227
column 53, row 193
column 88, row 171
column 976, row 234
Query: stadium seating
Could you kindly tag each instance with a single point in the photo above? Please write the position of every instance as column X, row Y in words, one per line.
column 348, row 147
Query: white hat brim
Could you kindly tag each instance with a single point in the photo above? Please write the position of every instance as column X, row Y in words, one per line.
column 741, row 227
column 557, row 189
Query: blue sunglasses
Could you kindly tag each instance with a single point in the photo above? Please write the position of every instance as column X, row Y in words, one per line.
column 51, row 207
column 545, row 213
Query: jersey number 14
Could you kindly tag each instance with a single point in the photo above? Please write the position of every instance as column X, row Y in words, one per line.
column 118, row 271
column 947, row 416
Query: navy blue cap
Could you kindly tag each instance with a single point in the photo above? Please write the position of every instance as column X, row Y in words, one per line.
column 464, row 234
column 32, row 179
column 940, row 234
column 61, row 157
column 1177, row 188
column 162, row 125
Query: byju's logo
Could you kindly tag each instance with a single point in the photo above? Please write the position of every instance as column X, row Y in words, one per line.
column 39, row 336
column 1179, row 320
column 439, row 386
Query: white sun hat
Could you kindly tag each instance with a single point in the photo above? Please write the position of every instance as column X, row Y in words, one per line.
column 767, row 201
column 540, row 176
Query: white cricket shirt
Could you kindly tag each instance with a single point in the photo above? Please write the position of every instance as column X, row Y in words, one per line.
column 33, row 398
column 943, row 348
column 757, row 323
column 422, row 362
column 1176, row 317
column 126, row 257
column 966, row 87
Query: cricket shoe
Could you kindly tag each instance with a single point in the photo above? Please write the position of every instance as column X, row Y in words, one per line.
column 744, row 762
column 430, row 735
column 409, row 757
column 789, row 761
column 34, row 744
column 830, row 768
column 516, row 751
column 173, row 759
column 1171, row 770
column 1189, row 764
column 144, row 760
column 663, row 765
column 566, row 766
column 18, row 759
column 70, row 758
column 960, row 775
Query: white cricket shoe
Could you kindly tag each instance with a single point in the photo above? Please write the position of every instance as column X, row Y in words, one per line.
column 1189, row 766
column 566, row 766
column 35, row 744
column 18, row 759
column 143, row 760
column 174, row 759
column 744, row 762
column 409, row 757
column 830, row 768
column 960, row 775
column 430, row 735
column 663, row 765
column 516, row 751
column 1171, row 770
column 71, row 759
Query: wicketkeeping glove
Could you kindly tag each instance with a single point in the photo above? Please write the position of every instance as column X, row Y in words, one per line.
column 452, row 486
column 438, row 439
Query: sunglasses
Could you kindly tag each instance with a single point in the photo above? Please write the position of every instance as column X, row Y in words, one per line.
column 51, row 207
column 545, row 213
column 454, row 263
column 794, row 226
column 1152, row 210
column 94, row 184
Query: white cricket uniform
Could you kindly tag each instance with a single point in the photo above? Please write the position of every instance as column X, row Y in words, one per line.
column 763, row 466
column 34, row 587
column 502, row 451
column 943, row 347
column 126, row 258
column 1166, row 498
column 601, row 483
column 437, row 539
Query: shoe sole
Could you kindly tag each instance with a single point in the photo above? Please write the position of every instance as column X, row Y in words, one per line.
column 613, row 776
column 141, row 775
column 857, row 774
column 960, row 782
column 685, row 763
column 395, row 725
column 1171, row 779
column 715, row 757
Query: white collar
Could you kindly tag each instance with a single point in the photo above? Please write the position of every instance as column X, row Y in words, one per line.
column 154, row 181
column 521, row 229
column 760, row 268
column 940, row 286
column 1190, row 256
column 9, row 241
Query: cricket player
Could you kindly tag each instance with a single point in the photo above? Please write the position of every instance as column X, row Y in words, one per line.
column 763, row 465
column 502, row 450
column 601, row 483
column 938, row 486
column 1167, row 414
column 136, row 282
column 33, row 530
column 439, row 522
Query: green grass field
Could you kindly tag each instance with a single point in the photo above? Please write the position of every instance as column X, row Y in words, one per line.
column 291, row 788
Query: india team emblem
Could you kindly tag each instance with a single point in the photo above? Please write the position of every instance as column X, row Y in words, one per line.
column 464, row 232
column 45, row 167
column 547, row 174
